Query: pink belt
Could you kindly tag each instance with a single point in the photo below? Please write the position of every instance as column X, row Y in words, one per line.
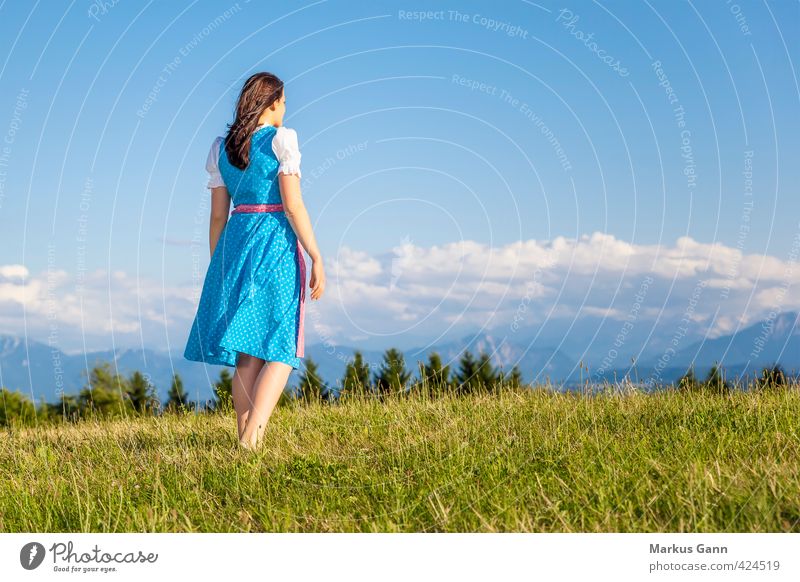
column 301, row 264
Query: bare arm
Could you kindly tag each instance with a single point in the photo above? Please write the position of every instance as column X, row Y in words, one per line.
column 296, row 213
column 220, row 208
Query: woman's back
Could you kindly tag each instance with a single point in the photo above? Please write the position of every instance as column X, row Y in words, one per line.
column 272, row 149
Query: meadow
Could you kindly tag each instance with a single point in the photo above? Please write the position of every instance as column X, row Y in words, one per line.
column 509, row 460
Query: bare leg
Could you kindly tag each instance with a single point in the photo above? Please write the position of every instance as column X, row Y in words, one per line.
column 247, row 370
column 268, row 388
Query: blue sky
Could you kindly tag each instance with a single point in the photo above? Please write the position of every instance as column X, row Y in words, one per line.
column 486, row 123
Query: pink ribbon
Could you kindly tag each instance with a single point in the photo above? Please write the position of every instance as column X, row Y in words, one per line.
column 301, row 264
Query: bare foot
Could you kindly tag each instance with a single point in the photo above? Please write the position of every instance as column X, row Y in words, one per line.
column 246, row 445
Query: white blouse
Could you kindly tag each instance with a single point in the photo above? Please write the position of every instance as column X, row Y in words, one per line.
column 284, row 144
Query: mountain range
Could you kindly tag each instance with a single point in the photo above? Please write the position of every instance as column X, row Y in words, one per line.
column 555, row 353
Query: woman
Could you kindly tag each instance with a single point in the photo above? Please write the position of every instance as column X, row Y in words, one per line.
column 251, row 310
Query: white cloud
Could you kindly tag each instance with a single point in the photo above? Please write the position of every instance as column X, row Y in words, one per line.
column 463, row 284
column 58, row 305
column 13, row 271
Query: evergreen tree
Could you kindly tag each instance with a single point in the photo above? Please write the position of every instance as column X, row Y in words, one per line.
column 393, row 375
column 105, row 394
column 311, row 386
column 715, row 383
column 688, row 382
column 223, row 392
column 66, row 408
column 356, row 375
column 514, row 378
column 142, row 393
column 488, row 377
column 435, row 376
column 177, row 397
column 466, row 376
column 16, row 408
column 773, row 377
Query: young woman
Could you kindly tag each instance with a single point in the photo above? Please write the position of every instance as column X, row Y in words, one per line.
column 251, row 310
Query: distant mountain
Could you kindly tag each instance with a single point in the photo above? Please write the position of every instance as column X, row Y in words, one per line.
column 761, row 343
column 35, row 369
column 39, row 371
column 543, row 355
column 742, row 354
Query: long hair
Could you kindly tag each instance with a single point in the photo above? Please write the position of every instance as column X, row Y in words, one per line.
column 259, row 92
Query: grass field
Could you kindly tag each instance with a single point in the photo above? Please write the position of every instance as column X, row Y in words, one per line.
column 523, row 461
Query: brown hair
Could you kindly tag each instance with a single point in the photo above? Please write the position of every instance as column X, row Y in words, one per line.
column 259, row 92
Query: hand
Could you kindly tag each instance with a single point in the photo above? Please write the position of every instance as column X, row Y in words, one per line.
column 317, row 282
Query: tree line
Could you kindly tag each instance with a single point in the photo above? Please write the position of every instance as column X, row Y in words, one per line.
column 110, row 394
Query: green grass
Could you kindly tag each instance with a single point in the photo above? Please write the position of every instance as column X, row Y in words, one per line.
column 532, row 461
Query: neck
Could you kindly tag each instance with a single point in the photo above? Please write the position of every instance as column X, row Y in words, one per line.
column 262, row 122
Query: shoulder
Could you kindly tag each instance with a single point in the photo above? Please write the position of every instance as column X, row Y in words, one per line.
column 284, row 132
column 284, row 144
column 213, row 152
column 212, row 163
column 285, row 141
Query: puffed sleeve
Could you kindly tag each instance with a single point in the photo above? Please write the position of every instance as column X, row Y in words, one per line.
column 212, row 167
column 284, row 144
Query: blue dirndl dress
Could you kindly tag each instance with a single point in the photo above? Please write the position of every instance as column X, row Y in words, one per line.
column 252, row 294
